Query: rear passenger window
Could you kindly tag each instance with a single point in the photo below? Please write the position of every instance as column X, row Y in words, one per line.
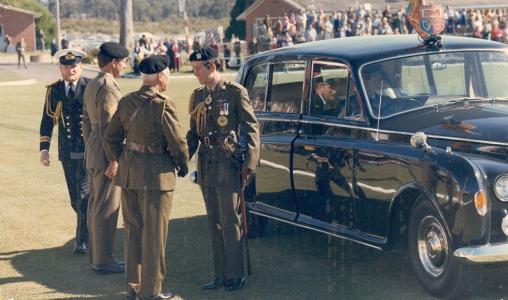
column 286, row 87
column 333, row 92
column 256, row 85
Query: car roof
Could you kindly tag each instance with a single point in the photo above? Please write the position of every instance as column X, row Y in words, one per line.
column 362, row 49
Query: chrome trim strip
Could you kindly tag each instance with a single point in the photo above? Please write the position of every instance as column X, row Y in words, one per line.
column 364, row 91
column 315, row 229
column 278, row 119
column 441, row 137
column 484, row 253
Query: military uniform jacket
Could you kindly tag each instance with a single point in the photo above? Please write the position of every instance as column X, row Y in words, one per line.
column 67, row 113
column 100, row 101
column 229, row 109
column 147, row 119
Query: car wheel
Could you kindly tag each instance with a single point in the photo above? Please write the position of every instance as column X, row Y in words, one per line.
column 256, row 225
column 438, row 270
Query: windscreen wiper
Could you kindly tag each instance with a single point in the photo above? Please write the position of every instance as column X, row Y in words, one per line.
column 466, row 101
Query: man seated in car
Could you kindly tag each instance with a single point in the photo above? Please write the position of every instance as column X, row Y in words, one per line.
column 324, row 102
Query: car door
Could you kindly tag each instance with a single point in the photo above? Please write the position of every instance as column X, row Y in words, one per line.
column 323, row 151
column 278, row 120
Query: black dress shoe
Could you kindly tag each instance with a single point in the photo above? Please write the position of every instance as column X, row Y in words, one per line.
column 214, row 284
column 80, row 248
column 159, row 296
column 109, row 268
column 132, row 293
column 234, row 284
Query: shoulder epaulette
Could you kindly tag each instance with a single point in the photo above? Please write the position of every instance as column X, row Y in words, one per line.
column 55, row 114
column 235, row 84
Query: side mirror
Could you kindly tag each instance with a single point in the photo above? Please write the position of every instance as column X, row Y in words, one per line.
column 419, row 140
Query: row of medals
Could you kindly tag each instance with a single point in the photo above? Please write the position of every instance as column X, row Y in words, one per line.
column 222, row 120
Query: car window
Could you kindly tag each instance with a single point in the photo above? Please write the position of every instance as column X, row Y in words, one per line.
column 397, row 85
column 256, row 84
column 444, row 70
column 495, row 68
column 414, row 79
column 333, row 92
column 286, row 87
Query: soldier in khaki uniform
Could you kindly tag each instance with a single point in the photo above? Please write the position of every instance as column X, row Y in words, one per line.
column 154, row 147
column 100, row 102
column 222, row 119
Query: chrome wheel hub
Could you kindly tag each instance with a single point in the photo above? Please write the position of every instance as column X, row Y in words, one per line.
column 432, row 246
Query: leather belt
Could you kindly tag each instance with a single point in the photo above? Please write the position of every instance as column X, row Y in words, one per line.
column 145, row 148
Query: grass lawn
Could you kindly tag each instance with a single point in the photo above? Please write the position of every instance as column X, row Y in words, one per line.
column 37, row 229
column 10, row 77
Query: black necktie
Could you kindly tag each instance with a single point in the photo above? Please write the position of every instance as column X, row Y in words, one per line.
column 70, row 94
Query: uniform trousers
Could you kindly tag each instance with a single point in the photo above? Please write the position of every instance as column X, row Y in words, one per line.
column 146, row 215
column 224, row 220
column 79, row 191
column 103, row 208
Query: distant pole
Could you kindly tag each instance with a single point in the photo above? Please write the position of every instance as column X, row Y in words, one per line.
column 126, row 23
column 58, row 46
column 186, row 28
column 183, row 10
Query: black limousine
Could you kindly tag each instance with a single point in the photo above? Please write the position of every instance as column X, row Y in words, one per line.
column 385, row 139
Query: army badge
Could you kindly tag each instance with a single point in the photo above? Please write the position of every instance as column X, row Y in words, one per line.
column 222, row 121
column 208, row 100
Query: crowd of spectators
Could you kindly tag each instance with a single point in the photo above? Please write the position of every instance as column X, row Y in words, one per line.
column 145, row 47
column 308, row 26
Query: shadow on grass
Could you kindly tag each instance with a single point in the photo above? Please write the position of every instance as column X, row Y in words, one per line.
column 288, row 263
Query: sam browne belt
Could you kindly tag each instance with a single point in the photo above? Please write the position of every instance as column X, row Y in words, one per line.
column 145, row 148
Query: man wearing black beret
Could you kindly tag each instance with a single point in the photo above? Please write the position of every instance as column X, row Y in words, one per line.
column 63, row 108
column 153, row 150
column 225, row 129
column 100, row 102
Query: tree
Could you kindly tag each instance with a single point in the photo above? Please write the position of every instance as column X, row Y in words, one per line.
column 126, row 23
column 238, row 27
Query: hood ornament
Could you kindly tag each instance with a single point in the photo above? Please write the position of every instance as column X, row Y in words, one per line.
column 427, row 20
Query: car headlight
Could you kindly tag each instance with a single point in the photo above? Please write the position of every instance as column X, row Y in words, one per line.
column 501, row 188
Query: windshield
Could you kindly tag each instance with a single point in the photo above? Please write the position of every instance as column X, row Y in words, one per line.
column 409, row 83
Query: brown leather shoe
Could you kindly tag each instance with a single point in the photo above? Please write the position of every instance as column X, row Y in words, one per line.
column 214, row 284
column 109, row 268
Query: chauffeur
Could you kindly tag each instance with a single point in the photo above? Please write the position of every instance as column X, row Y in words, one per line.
column 154, row 147
column 63, row 107
column 100, row 102
column 222, row 119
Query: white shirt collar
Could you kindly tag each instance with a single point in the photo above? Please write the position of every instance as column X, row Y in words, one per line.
column 67, row 87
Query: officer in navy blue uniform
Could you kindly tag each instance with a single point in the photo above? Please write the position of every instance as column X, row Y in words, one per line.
column 63, row 107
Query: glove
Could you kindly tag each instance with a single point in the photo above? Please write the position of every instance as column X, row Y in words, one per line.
column 182, row 170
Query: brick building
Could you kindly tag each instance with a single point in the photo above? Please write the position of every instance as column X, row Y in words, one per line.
column 277, row 8
column 17, row 23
